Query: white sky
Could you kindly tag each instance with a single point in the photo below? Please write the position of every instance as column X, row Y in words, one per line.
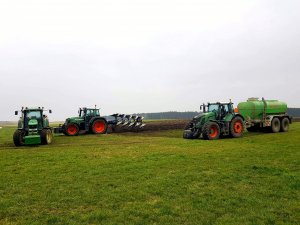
column 146, row 56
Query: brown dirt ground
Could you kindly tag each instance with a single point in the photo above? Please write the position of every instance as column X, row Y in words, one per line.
column 156, row 126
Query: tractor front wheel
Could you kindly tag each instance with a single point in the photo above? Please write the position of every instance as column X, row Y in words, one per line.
column 71, row 129
column 237, row 127
column 19, row 138
column 46, row 136
column 99, row 126
column 189, row 134
column 211, row 131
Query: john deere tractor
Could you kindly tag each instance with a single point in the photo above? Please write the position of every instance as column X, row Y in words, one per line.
column 88, row 120
column 33, row 127
column 217, row 119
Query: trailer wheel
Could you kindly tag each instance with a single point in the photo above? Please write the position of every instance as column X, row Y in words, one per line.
column 19, row 138
column 211, row 131
column 284, row 126
column 46, row 136
column 99, row 126
column 275, row 125
column 71, row 129
column 237, row 127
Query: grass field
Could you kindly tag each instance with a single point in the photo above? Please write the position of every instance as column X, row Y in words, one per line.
column 152, row 178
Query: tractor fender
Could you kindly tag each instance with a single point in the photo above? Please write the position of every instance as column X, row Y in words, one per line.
column 237, row 114
column 95, row 118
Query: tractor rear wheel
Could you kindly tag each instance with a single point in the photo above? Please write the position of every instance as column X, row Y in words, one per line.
column 237, row 127
column 46, row 136
column 275, row 125
column 284, row 126
column 211, row 131
column 99, row 126
column 71, row 129
column 19, row 138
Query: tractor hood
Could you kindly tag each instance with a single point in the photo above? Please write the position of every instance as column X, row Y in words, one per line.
column 198, row 116
column 74, row 120
column 202, row 118
column 205, row 115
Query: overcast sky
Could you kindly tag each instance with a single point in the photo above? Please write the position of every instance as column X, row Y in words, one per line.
column 146, row 56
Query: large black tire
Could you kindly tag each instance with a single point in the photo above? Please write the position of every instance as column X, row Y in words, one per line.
column 189, row 134
column 275, row 125
column 46, row 136
column 19, row 138
column 71, row 129
column 284, row 125
column 99, row 126
column 211, row 131
column 237, row 127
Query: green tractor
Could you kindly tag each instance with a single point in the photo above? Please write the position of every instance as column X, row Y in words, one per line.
column 33, row 127
column 88, row 120
column 217, row 119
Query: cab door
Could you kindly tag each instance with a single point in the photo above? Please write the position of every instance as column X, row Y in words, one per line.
column 88, row 115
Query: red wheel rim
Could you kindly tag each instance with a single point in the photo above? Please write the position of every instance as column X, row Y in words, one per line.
column 238, row 127
column 213, row 131
column 99, row 126
column 72, row 129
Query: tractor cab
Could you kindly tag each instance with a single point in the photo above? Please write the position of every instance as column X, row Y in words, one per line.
column 87, row 112
column 32, row 118
column 221, row 110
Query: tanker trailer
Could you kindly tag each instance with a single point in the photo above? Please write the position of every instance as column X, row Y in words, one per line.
column 260, row 114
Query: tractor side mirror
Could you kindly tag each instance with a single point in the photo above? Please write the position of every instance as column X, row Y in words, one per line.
column 50, row 111
column 16, row 113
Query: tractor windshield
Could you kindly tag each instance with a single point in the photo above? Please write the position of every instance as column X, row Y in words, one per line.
column 213, row 108
column 88, row 112
column 33, row 115
column 30, row 115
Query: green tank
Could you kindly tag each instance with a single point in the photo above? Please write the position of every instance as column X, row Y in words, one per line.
column 254, row 109
column 264, row 113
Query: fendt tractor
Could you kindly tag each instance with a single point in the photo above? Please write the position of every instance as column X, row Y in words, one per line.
column 89, row 120
column 217, row 119
column 33, row 127
column 220, row 119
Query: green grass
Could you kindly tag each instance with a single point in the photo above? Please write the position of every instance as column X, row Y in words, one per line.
column 152, row 178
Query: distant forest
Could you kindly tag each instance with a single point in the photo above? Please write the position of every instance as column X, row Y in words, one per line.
column 295, row 112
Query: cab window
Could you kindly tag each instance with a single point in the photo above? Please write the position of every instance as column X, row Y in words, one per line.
column 213, row 108
column 33, row 115
column 89, row 112
column 97, row 112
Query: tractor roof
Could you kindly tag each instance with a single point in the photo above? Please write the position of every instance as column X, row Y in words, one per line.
column 33, row 109
column 219, row 103
column 89, row 108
